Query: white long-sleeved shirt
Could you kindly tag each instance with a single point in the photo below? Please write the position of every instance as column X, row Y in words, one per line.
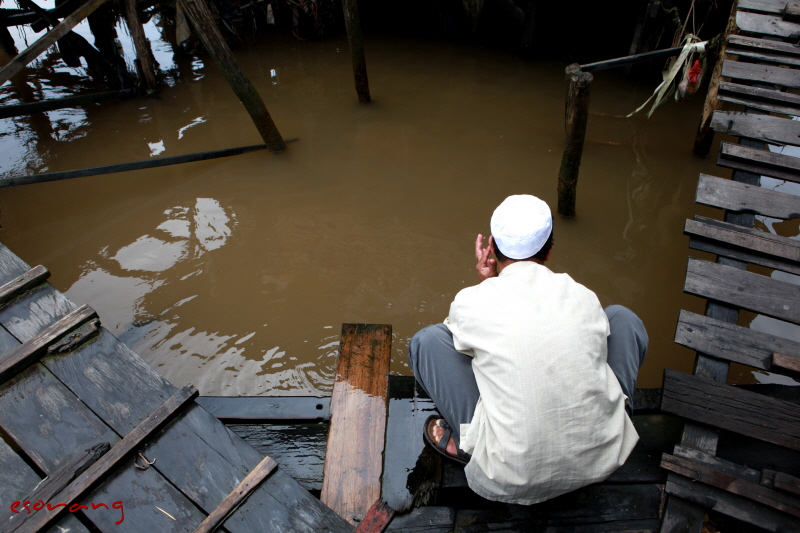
column 551, row 416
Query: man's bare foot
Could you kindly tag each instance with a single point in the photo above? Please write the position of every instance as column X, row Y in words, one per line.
column 436, row 432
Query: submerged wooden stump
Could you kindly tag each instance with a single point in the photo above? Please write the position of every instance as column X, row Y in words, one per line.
column 352, row 22
column 577, row 116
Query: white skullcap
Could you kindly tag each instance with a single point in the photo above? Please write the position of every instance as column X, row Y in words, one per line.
column 521, row 225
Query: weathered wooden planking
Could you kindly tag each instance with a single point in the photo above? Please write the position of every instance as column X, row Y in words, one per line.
column 761, row 162
column 767, row 25
column 791, row 13
column 731, row 505
column 768, row 50
column 761, row 294
column 773, row 130
column 697, row 471
column 716, row 463
column 751, row 239
column 742, row 254
column 34, row 311
column 377, row 518
column 731, row 342
column 353, row 462
column 237, row 496
column 780, row 480
column 787, row 361
column 33, row 349
column 770, row 100
column 22, row 283
column 51, row 425
column 774, row 7
column 424, row 520
column 11, row 266
column 766, row 74
column 735, row 196
column 727, row 407
column 263, row 408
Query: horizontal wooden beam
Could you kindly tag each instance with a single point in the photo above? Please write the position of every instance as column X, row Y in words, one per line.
column 7, row 111
column 769, row 100
column 730, row 342
column 29, row 352
column 630, row 60
column 767, row 45
column 741, row 197
column 23, row 283
column 126, row 167
column 237, row 496
column 726, row 407
column 48, row 40
column 111, row 460
column 766, row 74
column 761, row 162
column 264, row 408
column 749, row 238
column 766, row 128
column 768, row 296
column 767, row 25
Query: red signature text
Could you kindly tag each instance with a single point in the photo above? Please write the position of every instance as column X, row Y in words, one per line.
column 27, row 507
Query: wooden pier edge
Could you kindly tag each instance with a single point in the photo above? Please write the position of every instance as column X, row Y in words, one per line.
column 351, row 480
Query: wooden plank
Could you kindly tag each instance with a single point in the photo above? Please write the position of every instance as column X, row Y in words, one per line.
column 741, row 254
column 11, row 266
column 377, row 518
column 51, row 487
column 727, row 407
column 751, row 239
column 780, row 480
column 774, row 7
column 769, row 100
column 47, row 40
column 716, row 463
column 778, row 299
column 111, row 460
column 699, row 472
column 237, row 496
column 787, row 361
column 767, row 74
column 791, row 13
column 764, row 162
column 773, row 130
column 734, row 196
column 429, row 519
column 22, row 283
column 767, row 25
column 770, row 45
column 33, row 349
column 731, row 342
column 351, row 480
column 264, row 408
column 732, row 505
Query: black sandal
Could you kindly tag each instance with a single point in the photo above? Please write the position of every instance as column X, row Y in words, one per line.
column 441, row 447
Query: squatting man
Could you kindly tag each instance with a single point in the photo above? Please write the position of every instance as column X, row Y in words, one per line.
column 534, row 380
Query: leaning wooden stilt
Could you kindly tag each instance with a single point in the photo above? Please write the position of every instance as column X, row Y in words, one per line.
column 203, row 22
column 352, row 23
column 143, row 54
column 577, row 116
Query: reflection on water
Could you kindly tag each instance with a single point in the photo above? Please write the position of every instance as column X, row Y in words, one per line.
column 236, row 274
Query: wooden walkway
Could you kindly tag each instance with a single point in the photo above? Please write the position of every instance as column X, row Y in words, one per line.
column 122, row 449
column 762, row 489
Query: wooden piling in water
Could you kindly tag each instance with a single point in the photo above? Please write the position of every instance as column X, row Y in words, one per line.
column 577, row 115
column 352, row 23
column 203, row 22
column 143, row 53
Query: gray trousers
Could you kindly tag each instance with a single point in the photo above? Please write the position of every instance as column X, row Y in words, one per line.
column 446, row 374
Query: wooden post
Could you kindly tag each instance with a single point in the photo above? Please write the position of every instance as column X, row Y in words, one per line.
column 199, row 15
column 143, row 54
column 577, row 115
column 352, row 23
column 705, row 135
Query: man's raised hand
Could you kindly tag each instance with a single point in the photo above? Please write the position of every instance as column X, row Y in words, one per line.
column 486, row 267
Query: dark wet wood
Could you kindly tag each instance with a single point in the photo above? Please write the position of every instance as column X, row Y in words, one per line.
column 752, row 490
column 125, row 167
column 780, row 480
column 791, row 13
column 767, row 25
column 734, row 196
column 377, row 518
column 774, row 130
column 763, row 45
column 206, row 29
column 731, row 342
column 46, row 41
column 237, row 496
column 767, row 74
column 732, row 505
column 143, row 54
column 49, row 490
column 352, row 22
column 714, row 281
column 22, row 283
column 716, row 463
column 727, row 407
column 7, row 111
column 438, row 519
column 353, row 462
column 35, row 348
column 11, row 266
column 262, row 408
column 769, row 100
column 577, row 116
column 757, row 161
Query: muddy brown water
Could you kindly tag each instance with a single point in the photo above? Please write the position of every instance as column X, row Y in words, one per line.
column 236, row 274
